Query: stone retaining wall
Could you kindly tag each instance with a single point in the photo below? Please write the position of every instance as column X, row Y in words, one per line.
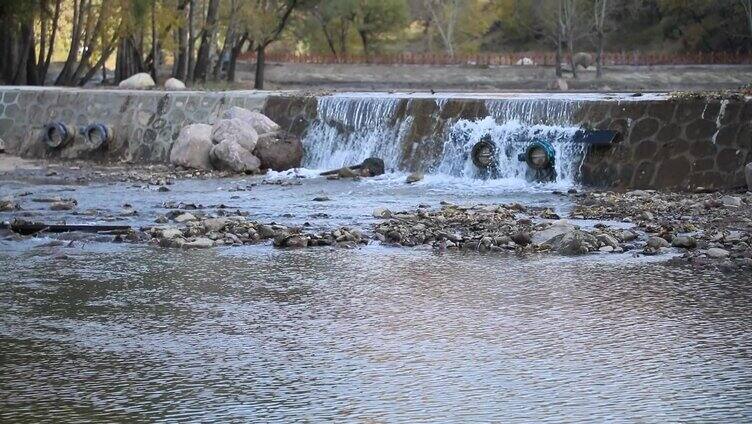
column 145, row 123
column 666, row 143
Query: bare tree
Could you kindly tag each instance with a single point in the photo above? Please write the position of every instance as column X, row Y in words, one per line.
column 600, row 14
column 747, row 5
column 208, row 33
column 444, row 16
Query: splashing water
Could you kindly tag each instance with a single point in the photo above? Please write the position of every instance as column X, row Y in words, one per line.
column 350, row 129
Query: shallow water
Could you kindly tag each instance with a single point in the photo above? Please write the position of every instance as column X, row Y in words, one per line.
column 377, row 334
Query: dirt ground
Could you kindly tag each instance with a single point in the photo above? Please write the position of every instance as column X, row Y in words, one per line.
column 509, row 78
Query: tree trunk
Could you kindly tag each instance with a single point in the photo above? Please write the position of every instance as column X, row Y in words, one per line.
column 191, row 40
column 237, row 48
column 79, row 8
column 260, row 64
column 154, row 44
column 207, row 37
column 599, row 56
column 570, row 50
column 181, row 63
column 364, row 40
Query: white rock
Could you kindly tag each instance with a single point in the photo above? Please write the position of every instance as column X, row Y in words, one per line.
column 185, row 217
column 216, row 224
column 192, row 148
column 174, row 84
column 231, row 156
column 260, row 122
column 138, row 82
column 717, row 253
column 171, row 233
column 731, row 201
column 236, row 130
column 382, row 213
column 199, row 243
column 525, row 61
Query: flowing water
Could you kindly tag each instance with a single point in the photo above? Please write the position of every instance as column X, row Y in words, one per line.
column 122, row 333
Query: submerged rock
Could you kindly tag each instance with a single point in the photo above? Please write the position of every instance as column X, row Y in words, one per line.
column 575, row 242
column 139, row 81
column 372, row 167
column 192, row 147
column 414, row 177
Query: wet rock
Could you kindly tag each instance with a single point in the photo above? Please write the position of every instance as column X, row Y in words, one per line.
column 321, row 199
column 346, row 172
column 414, row 177
column 231, row 156
column 199, row 243
column 575, row 242
column 684, row 242
column 170, row 233
column 657, row 243
column 185, row 217
column 265, row 231
column 382, row 213
column 279, row 151
column 607, row 240
column 163, row 189
column 192, row 147
column 717, row 253
column 235, row 130
column 63, row 206
column 372, row 167
column 260, row 122
column 139, row 81
column 557, row 228
column 7, row 204
column 216, row 224
column 174, row 84
column 522, row 238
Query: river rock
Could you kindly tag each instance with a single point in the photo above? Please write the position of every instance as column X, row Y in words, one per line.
column 717, row 253
column 174, row 84
column 559, row 227
column 192, row 147
column 731, row 201
column 139, row 81
column 185, row 217
column 382, row 213
column 575, row 242
column 8, row 204
column 372, row 167
column 608, row 240
column 199, row 243
column 63, row 206
column 231, row 156
column 685, row 242
column 657, row 243
column 414, row 177
column 747, row 174
column 346, row 172
column 260, row 122
column 216, row 224
column 279, row 151
column 171, row 233
column 236, row 130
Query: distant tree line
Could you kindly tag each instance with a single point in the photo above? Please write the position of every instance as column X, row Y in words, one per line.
column 201, row 40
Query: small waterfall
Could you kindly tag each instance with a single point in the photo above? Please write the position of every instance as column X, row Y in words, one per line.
column 350, row 129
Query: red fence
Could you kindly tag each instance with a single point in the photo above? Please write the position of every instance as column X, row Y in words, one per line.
column 498, row 59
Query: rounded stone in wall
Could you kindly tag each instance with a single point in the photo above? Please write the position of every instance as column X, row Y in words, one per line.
column 702, row 148
column 729, row 160
column 12, row 111
column 672, row 172
column 621, row 126
column 726, row 135
column 645, row 150
column 643, row 174
column 704, row 164
column 10, row 97
column 688, row 111
column 669, row 132
column 744, row 137
column 625, row 172
column 662, row 110
column 644, row 128
column 700, row 129
column 730, row 112
column 633, row 110
column 745, row 115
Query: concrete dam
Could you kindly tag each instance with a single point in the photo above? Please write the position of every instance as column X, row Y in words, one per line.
column 661, row 142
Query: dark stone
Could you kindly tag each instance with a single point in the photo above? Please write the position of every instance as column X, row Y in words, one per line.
column 706, row 164
column 701, row 129
column 729, row 160
column 643, row 175
column 689, row 110
column 726, row 136
column 702, row 148
column 672, row 173
column 644, row 128
column 645, row 150
column 730, row 113
column 372, row 167
column 669, row 132
column 279, row 151
column 662, row 110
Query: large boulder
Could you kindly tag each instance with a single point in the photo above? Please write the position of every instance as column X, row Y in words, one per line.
column 231, row 156
column 174, row 84
column 138, row 82
column 748, row 174
column 236, row 130
column 279, row 151
column 192, row 148
column 583, row 59
column 574, row 242
column 260, row 122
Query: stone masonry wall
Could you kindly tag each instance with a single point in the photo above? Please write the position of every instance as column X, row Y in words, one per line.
column 145, row 123
column 665, row 144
